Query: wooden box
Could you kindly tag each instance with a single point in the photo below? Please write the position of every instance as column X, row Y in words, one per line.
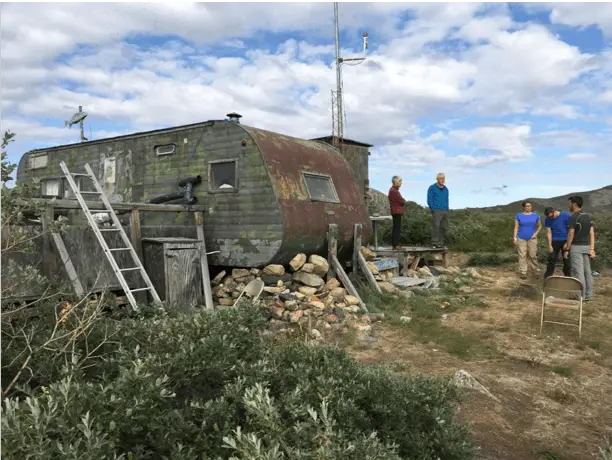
column 173, row 264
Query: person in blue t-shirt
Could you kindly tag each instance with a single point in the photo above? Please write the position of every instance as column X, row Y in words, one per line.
column 527, row 225
column 557, row 225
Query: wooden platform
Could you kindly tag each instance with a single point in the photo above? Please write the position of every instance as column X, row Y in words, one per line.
column 411, row 255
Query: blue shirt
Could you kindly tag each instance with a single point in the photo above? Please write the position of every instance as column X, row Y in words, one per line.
column 527, row 225
column 437, row 198
column 559, row 226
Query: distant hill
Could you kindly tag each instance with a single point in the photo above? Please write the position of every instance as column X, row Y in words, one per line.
column 599, row 200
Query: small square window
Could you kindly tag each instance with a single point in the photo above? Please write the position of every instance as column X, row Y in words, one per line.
column 83, row 185
column 167, row 149
column 51, row 188
column 321, row 188
column 39, row 161
column 223, row 175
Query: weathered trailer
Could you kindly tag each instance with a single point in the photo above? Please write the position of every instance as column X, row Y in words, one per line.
column 266, row 196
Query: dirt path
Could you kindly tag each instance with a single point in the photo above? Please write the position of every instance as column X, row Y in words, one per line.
column 554, row 390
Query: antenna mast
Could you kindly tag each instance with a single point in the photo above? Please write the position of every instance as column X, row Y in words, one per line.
column 337, row 98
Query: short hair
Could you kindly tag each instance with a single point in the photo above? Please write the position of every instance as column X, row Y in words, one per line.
column 577, row 200
column 525, row 203
column 439, row 175
column 396, row 178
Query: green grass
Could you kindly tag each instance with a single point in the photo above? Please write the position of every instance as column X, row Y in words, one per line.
column 491, row 259
column 565, row 371
column 426, row 308
column 546, row 453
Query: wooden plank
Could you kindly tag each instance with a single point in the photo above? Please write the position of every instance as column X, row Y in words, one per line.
column 72, row 274
column 136, row 240
column 356, row 251
column 199, row 221
column 375, row 229
column 126, row 207
column 49, row 261
column 415, row 262
column 368, row 274
column 346, row 282
column 332, row 249
column 183, row 286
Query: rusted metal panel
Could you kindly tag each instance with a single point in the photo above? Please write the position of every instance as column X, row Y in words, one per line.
column 306, row 221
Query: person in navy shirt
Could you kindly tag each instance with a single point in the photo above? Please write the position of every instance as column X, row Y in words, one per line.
column 437, row 200
column 527, row 225
column 557, row 225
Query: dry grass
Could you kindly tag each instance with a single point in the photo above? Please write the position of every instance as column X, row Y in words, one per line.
column 554, row 389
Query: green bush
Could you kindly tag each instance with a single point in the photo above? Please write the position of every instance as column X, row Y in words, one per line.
column 487, row 232
column 214, row 386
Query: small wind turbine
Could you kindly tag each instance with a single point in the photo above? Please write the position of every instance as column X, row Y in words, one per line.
column 78, row 118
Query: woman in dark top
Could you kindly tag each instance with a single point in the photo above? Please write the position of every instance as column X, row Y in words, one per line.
column 397, row 203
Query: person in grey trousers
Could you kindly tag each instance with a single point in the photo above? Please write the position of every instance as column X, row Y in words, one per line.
column 437, row 200
column 580, row 246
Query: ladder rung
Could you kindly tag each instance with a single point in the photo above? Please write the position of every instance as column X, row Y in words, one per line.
column 79, row 175
column 109, row 229
column 141, row 289
column 119, row 249
column 89, row 193
column 129, row 269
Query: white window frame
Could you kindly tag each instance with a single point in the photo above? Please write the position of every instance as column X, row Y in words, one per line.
column 211, row 187
column 336, row 199
column 157, row 149
column 33, row 162
column 60, row 187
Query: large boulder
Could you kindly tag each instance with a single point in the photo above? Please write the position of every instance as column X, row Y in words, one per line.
column 308, row 279
column 274, row 269
column 321, row 266
column 297, row 262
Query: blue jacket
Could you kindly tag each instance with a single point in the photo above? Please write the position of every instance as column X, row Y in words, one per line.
column 437, row 198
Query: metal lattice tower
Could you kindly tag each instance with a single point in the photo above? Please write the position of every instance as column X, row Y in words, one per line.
column 338, row 115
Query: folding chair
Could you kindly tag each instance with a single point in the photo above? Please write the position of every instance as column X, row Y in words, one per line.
column 253, row 290
column 572, row 288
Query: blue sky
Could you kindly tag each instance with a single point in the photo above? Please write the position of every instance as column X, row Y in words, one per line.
column 514, row 95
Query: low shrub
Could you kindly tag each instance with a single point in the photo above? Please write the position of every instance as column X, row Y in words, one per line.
column 214, row 386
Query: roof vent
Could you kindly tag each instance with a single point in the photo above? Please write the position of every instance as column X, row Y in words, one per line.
column 233, row 117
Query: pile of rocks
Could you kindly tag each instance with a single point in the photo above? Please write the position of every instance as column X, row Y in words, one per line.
column 296, row 295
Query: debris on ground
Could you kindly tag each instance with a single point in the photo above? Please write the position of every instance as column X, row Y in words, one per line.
column 464, row 379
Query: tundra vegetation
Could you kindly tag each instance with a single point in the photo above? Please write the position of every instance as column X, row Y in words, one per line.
column 84, row 379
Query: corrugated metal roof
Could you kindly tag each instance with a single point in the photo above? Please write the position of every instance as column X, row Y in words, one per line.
column 328, row 139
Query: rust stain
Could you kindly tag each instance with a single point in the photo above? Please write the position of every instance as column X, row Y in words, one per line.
column 305, row 220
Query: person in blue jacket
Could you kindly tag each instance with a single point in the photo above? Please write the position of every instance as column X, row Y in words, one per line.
column 437, row 200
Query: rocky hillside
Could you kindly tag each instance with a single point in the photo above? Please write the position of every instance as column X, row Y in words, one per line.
column 599, row 200
column 378, row 203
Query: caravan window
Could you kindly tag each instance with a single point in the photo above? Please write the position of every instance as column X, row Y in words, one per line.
column 321, row 187
column 39, row 161
column 83, row 185
column 167, row 149
column 223, row 175
column 51, row 188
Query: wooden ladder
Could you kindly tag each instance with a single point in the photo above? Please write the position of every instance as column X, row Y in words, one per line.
column 116, row 228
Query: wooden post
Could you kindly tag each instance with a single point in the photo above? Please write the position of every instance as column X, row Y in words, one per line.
column 136, row 240
column 199, row 221
column 332, row 249
column 49, row 261
column 375, row 230
column 356, row 252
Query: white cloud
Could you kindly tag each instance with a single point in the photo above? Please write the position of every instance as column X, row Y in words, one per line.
column 580, row 15
column 581, row 156
column 492, row 67
column 492, row 144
